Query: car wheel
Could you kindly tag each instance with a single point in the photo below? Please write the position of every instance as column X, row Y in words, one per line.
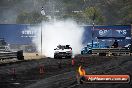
column 82, row 52
column 55, row 56
column 70, row 57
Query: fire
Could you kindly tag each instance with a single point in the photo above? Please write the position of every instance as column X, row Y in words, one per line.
column 81, row 71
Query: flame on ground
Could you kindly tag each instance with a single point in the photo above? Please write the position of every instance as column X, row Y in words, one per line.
column 81, row 71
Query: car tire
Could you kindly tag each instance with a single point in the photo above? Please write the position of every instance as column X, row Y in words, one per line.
column 82, row 52
column 55, row 57
column 69, row 56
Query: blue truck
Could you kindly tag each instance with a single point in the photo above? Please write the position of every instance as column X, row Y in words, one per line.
column 88, row 48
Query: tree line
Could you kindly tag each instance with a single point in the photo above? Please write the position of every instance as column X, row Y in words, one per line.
column 101, row 12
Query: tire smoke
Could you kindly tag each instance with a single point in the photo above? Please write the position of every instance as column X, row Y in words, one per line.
column 54, row 33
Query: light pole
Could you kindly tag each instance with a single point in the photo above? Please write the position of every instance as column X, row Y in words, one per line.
column 93, row 27
column 93, row 34
column 42, row 13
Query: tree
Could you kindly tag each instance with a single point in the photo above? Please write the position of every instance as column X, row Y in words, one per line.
column 92, row 14
column 125, row 12
column 30, row 18
column 75, row 16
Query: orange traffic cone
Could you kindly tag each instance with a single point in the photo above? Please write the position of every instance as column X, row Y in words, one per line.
column 73, row 62
column 82, row 60
column 41, row 69
column 13, row 73
column 59, row 65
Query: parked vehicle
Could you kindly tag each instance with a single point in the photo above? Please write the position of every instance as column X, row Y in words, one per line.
column 88, row 48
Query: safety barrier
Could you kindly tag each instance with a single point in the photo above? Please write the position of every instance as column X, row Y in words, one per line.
column 111, row 51
column 11, row 55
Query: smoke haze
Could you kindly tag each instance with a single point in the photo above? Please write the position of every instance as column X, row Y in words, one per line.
column 59, row 32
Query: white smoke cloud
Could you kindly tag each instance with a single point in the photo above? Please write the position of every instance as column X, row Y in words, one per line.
column 59, row 32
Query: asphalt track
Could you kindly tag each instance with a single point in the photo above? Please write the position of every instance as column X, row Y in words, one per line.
column 27, row 73
column 119, row 65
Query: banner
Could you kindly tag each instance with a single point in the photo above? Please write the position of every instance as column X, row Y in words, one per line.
column 23, row 34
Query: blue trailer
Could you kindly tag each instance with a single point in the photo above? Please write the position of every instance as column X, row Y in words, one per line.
column 104, row 37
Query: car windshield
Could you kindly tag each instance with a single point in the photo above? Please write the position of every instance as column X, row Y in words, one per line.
column 63, row 46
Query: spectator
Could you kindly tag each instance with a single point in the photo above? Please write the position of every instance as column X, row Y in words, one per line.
column 115, row 45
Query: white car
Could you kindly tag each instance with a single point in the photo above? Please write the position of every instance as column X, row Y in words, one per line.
column 63, row 51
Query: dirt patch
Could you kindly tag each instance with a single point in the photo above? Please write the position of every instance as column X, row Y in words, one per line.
column 30, row 56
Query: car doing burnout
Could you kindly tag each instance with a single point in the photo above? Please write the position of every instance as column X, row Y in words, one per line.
column 63, row 51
